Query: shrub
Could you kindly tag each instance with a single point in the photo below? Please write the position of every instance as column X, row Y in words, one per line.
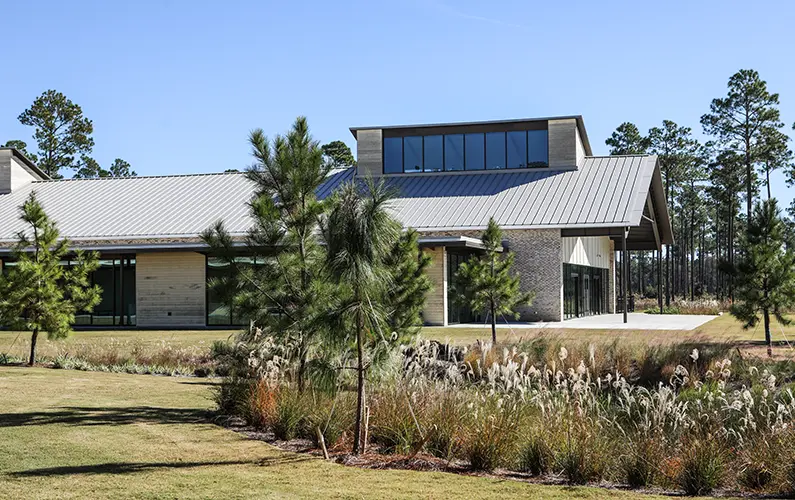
column 641, row 462
column 392, row 425
column 233, row 396
column 443, row 422
column 491, row 434
column 333, row 416
column 290, row 410
column 262, row 405
column 535, row 456
column 702, row 468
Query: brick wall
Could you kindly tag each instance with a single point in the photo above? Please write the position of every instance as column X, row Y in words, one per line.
column 538, row 265
column 171, row 289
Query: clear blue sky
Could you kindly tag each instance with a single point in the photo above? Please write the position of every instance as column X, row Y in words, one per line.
column 175, row 86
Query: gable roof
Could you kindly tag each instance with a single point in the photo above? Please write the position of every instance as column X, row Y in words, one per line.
column 604, row 192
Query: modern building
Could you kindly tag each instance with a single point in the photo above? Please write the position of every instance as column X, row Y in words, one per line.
column 565, row 214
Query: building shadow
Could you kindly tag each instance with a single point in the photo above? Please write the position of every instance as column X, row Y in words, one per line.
column 80, row 415
column 135, row 467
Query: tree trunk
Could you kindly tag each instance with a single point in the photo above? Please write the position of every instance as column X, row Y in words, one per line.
column 33, row 339
column 768, row 338
column 493, row 324
column 357, row 430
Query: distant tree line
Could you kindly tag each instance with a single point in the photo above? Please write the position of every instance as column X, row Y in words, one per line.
column 711, row 188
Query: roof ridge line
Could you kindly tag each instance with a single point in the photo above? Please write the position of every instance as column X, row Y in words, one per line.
column 166, row 176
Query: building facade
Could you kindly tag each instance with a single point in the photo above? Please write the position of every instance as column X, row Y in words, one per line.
column 564, row 212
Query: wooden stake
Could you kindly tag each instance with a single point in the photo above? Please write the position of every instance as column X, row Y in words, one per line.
column 366, row 428
column 322, row 441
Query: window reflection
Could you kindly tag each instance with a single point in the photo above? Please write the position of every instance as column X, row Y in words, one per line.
column 412, row 154
column 393, row 155
column 517, row 149
column 433, row 153
column 475, row 152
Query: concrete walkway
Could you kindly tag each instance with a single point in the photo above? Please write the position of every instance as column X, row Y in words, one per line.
column 635, row 321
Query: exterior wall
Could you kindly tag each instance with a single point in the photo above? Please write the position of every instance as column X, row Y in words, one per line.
column 369, row 156
column 540, row 270
column 435, row 312
column 538, row 265
column 593, row 251
column 12, row 174
column 171, row 289
column 563, row 143
column 580, row 148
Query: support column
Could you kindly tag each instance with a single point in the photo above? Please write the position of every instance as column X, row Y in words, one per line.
column 659, row 278
column 624, row 272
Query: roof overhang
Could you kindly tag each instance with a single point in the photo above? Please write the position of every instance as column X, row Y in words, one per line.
column 27, row 163
column 452, row 241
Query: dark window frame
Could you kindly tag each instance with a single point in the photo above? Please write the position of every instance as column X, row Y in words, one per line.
column 421, row 133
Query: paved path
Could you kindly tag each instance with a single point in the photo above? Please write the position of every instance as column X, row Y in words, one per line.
column 635, row 321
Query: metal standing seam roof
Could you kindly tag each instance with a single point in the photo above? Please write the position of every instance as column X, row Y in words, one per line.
column 603, row 192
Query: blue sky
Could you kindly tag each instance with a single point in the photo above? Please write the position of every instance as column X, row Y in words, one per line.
column 175, row 86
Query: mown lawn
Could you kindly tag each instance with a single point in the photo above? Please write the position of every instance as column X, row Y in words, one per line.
column 17, row 344
column 70, row 434
column 721, row 329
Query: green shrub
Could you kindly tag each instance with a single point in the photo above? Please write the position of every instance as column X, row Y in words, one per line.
column 333, row 418
column 535, row 456
column 290, row 411
column 703, row 468
column 640, row 464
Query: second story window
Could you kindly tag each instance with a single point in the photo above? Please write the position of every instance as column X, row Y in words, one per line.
column 466, row 151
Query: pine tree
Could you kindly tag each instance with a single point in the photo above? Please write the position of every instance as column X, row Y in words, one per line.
column 487, row 284
column 627, row 140
column 39, row 293
column 765, row 273
column 61, row 131
column 742, row 122
column 276, row 279
column 338, row 154
column 409, row 286
column 360, row 233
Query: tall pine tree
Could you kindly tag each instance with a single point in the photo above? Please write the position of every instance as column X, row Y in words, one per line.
column 765, row 273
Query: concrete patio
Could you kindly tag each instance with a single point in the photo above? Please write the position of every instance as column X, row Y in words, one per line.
column 635, row 321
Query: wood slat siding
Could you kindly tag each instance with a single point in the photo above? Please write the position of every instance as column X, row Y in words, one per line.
column 591, row 251
column 171, row 282
column 12, row 174
column 435, row 312
column 562, row 143
column 369, row 156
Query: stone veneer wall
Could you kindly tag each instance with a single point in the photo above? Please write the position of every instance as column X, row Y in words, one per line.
column 435, row 312
column 539, row 267
column 171, row 289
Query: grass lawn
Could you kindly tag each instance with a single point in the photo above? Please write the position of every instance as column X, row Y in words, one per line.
column 721, row 329
column 70, row 434
column 18, row 343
